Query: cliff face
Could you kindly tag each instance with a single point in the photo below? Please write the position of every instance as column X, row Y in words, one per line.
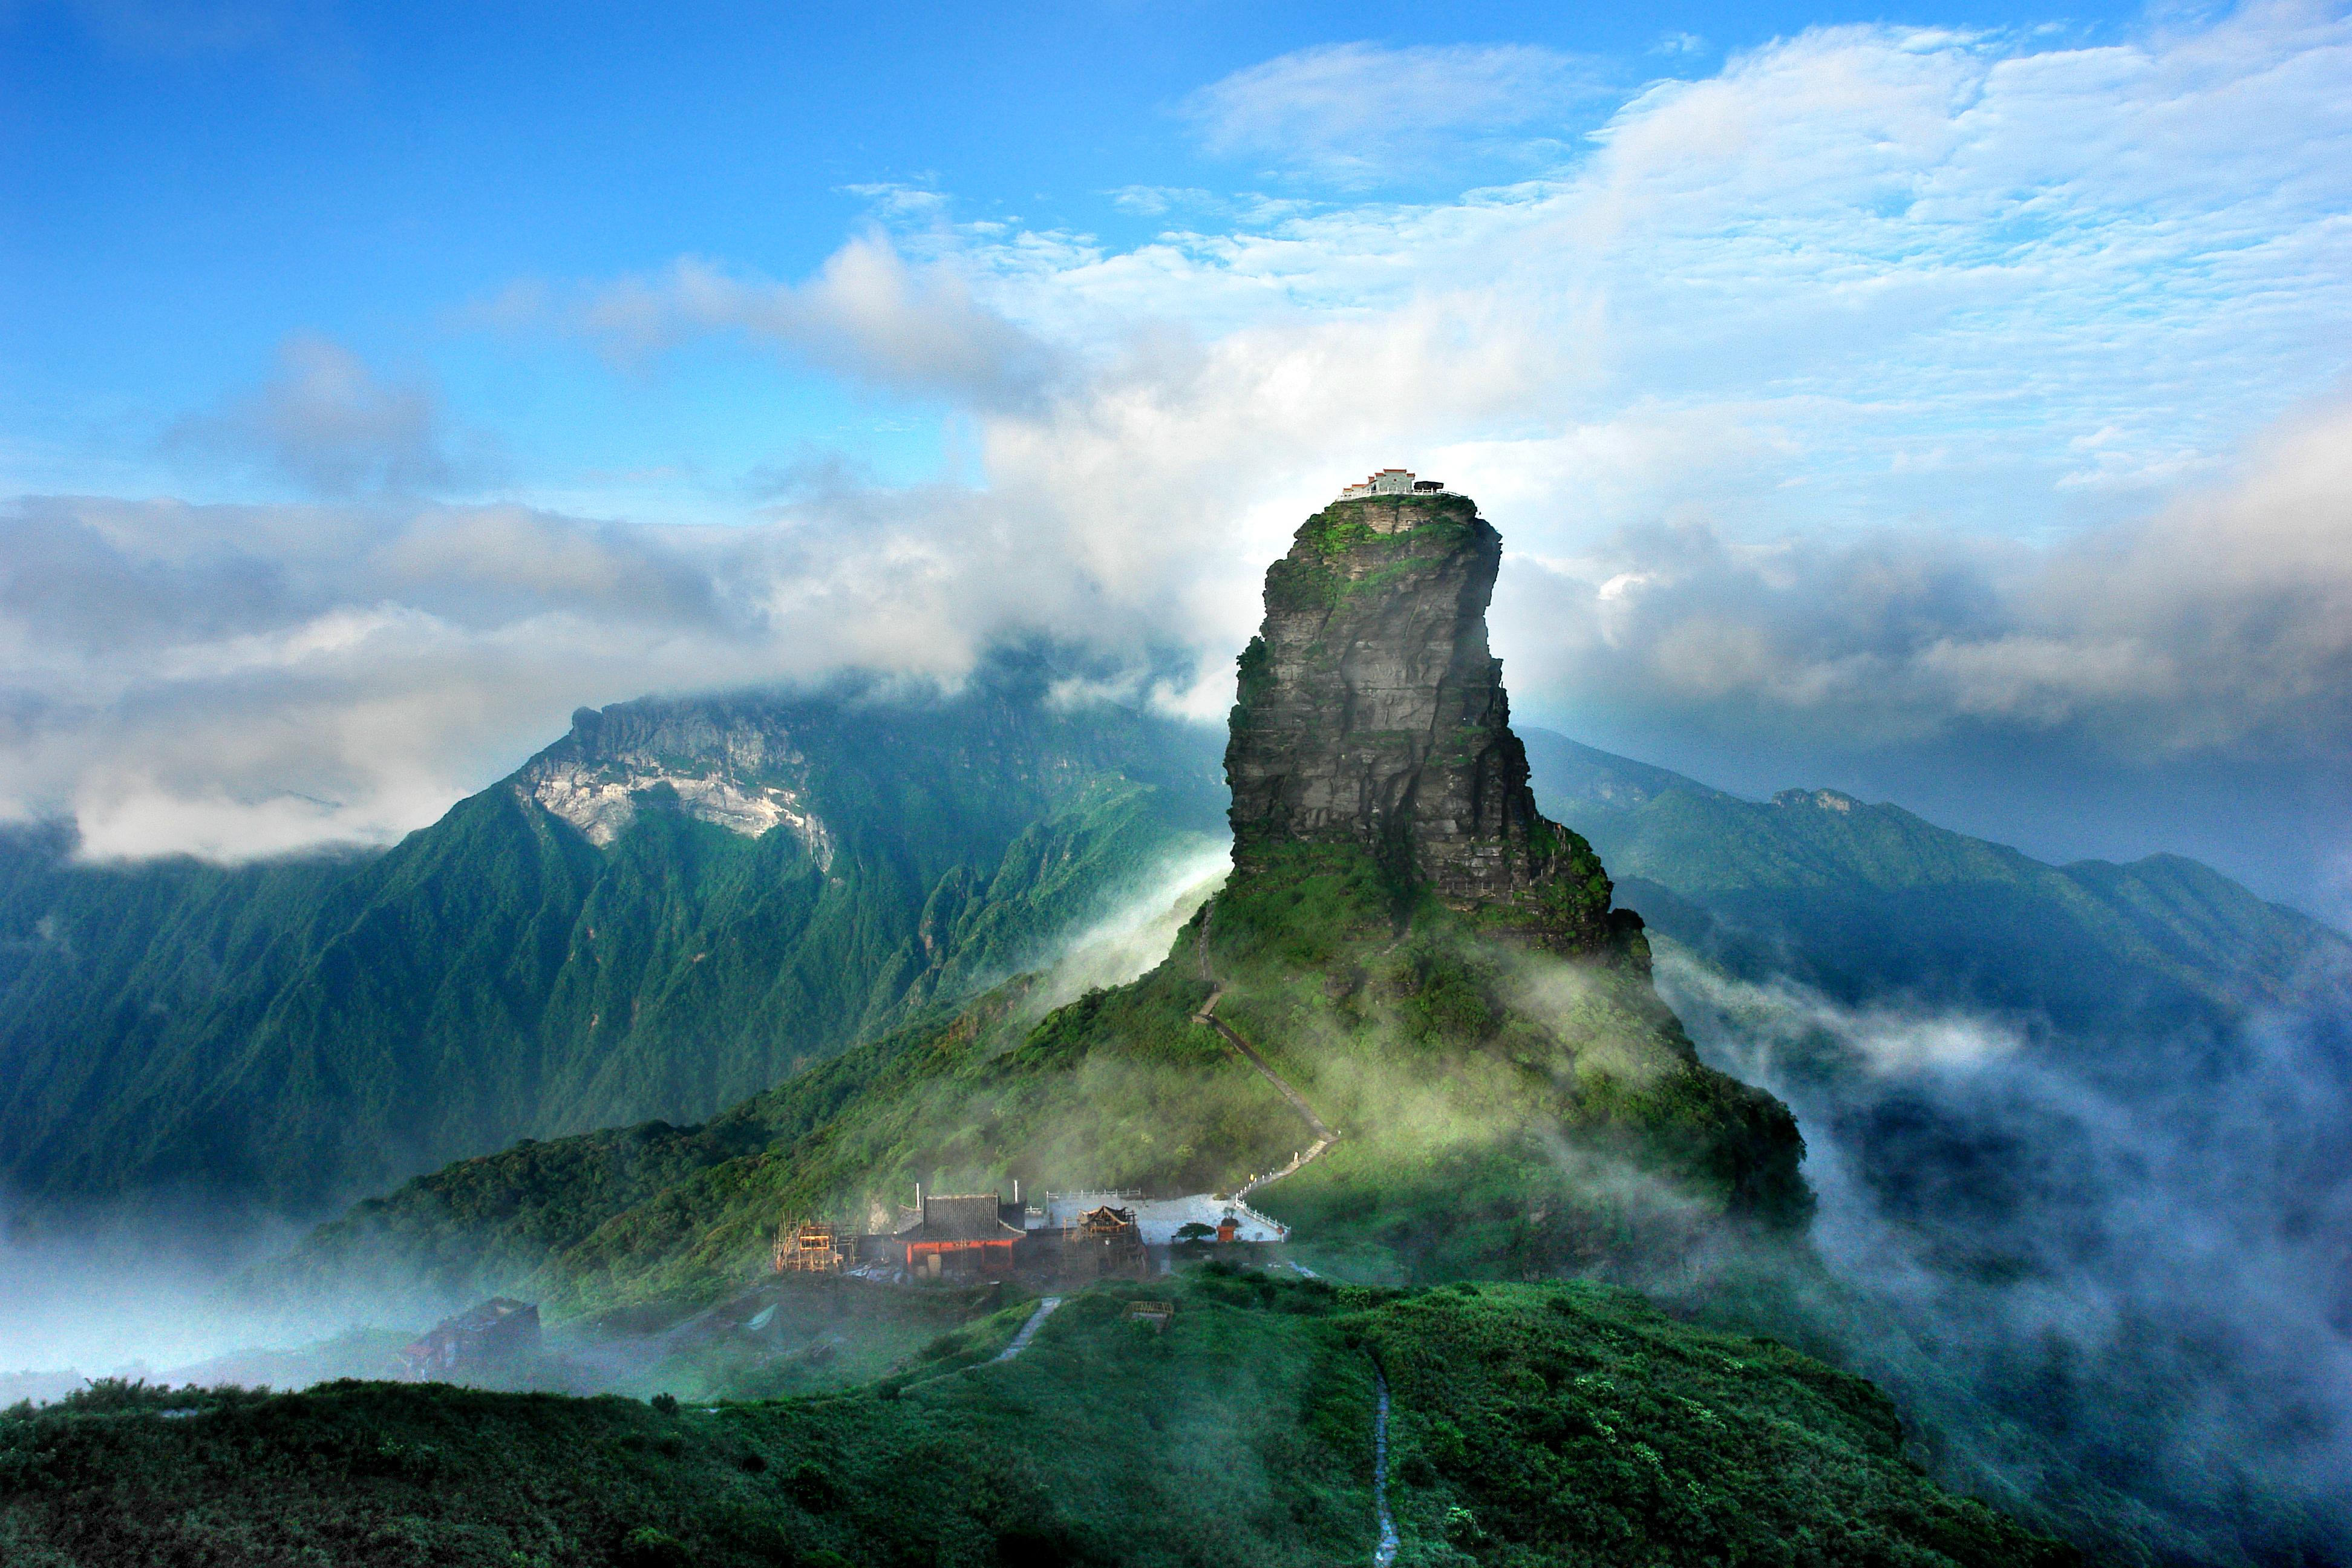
column 733, row 764
column 1371, row 712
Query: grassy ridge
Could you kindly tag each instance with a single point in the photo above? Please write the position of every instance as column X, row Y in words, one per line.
column 1531, row 1424
column 1503, row 1115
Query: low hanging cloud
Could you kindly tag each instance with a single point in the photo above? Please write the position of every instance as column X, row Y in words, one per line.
column 327, row 421
column 241, row 680
column 2223, row 621
column 237, row 679
column 2135, row 1259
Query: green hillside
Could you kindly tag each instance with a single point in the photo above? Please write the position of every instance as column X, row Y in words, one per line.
column 1494, row 1109
column 292, row 1033
column 1871, row 903
column 1528, row 1424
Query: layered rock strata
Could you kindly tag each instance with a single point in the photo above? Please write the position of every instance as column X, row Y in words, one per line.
column 1370, row 711
column 735, row 767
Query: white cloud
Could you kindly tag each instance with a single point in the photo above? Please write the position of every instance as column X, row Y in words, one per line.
column 327, row 421
column 866, row 315
column 2223, row 620
column 1845, row 246
column 235, row 680
column 1360, row 113
column 1816, row 360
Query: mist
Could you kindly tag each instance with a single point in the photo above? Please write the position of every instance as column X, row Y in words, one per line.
column 1137, row 934
column 145, row 1290
column 156, row 1287
column 2118, row 1278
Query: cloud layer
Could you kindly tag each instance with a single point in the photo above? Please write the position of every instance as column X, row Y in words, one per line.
column 235, row 680
column 2223, row 620
column 1889, row 387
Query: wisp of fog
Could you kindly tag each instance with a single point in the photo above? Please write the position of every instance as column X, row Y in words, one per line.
column 2137, row 1265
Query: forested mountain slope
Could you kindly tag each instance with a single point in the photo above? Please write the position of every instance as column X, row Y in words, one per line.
column 1869, row 903
column 676, row 905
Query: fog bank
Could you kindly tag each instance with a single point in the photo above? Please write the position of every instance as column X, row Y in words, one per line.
column 2137, row 1268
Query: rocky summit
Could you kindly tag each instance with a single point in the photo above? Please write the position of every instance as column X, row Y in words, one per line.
column 1371, row 712
column 730, row 763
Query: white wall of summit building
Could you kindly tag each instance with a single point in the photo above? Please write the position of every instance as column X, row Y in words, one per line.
column 1392, row 482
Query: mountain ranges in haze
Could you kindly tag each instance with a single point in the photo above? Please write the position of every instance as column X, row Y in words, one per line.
column 1418, row 988
column 680, row 902
column 676, row 905
column 1869, row 904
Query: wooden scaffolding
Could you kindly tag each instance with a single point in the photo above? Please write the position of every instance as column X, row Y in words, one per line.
column 810, row 1246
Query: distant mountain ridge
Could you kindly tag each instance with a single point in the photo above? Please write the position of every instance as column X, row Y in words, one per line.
column 1869, row 901
column 613, row 932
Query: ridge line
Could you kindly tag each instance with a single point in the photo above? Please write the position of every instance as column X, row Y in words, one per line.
column 1325, row 1134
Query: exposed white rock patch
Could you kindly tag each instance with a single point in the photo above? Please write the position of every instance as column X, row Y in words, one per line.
column 1826, row 799
column 714, row 772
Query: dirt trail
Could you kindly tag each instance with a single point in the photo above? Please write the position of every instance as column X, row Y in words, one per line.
column 1325, row 1134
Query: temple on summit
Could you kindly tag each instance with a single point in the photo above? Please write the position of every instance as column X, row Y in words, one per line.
column 1392, row 482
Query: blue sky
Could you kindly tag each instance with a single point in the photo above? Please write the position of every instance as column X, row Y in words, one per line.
column 187, row 185
column 1947, row 403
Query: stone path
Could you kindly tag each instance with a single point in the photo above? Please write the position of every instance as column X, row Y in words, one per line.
column 1029, row 1330
column 1325, row 1134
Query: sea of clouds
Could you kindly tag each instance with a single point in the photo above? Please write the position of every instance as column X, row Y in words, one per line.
column 1886, row 391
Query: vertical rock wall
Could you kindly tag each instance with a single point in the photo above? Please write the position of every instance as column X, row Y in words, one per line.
column 1371, row 712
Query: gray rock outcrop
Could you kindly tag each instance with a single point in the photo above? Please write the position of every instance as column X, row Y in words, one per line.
column 1370, row 711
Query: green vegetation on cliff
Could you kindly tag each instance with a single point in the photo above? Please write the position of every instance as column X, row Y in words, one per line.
column 1529, row 1425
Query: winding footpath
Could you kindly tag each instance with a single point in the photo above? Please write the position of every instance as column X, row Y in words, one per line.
column 1325, row 1134
column 1029, row 1330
